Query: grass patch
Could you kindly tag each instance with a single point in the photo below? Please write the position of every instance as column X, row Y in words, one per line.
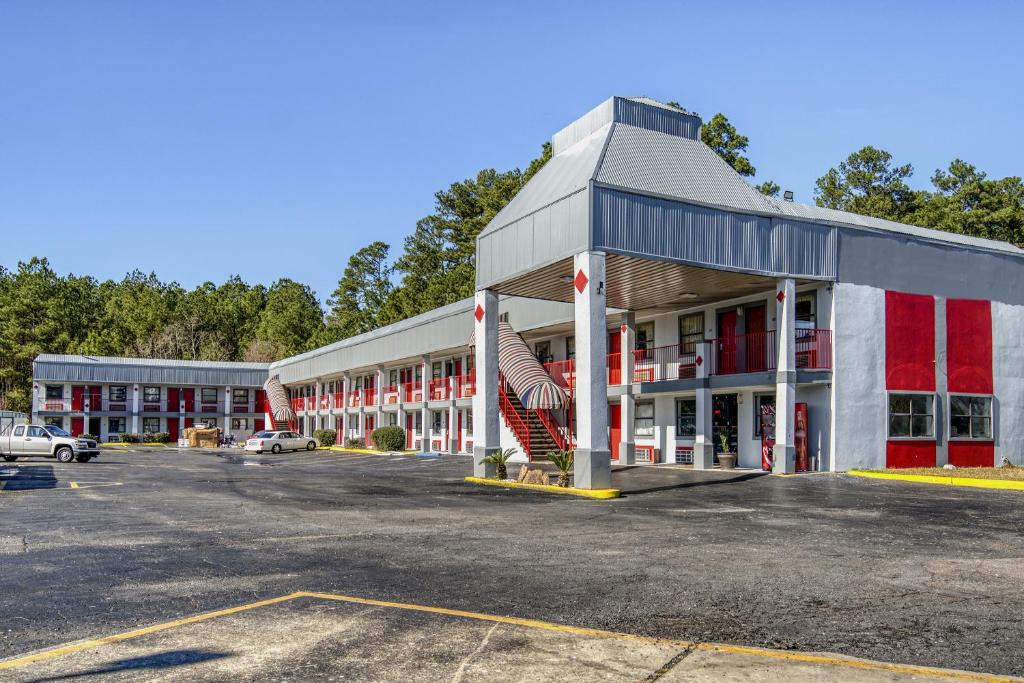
column 999, row 473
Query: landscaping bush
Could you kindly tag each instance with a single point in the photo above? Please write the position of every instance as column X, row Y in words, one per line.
column 128, row 438
column 88, row 436
column 326, row 437
column 156, row 437
column 389, row 438
column 355, row 443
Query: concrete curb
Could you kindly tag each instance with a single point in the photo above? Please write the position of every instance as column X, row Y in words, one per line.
column 598, row 494
column 342, row 449
column 968, row 482
column 133, row 445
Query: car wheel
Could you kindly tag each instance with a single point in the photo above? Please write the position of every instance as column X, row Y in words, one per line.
column 83, row 458
column 10, row 458
column 259, row 452
column 276, row 448
column 65, row 454
column 311, row 446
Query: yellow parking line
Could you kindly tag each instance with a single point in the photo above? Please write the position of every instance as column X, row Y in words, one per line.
column 74, row 484
column 810, row 658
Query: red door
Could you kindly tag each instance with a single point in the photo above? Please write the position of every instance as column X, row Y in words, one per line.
column 190, row 400
column 727, row 342
column 173, row 402
column 369, row 427
column 172, row 429
column 77, row 426
column 77, row 401
column 757, row 340
column 615, row 428
column 95, row 399
column 614, row 359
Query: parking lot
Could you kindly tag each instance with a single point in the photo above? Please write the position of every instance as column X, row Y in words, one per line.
column 215, row 565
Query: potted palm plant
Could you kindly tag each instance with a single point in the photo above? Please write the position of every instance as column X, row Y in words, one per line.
column 727, row 459
column 500, row 460
column 563, row 461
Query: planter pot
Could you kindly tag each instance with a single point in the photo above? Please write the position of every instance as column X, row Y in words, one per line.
column 727, row 461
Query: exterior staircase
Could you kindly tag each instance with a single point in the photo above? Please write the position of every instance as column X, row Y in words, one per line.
column 533, row 435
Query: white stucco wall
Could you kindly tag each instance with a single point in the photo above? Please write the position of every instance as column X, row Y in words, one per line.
column 1008, row 380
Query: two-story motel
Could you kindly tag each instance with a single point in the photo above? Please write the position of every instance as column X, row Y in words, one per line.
column 659, row 309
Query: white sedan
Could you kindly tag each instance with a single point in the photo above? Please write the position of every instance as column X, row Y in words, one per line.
column 275, row 442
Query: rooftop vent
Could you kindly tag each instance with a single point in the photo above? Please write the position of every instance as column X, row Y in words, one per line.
column 642, row 112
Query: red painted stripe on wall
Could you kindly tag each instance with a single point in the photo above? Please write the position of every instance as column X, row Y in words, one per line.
column 972, row 453
column 909, row 342
column 910, row 454
column 969, row 346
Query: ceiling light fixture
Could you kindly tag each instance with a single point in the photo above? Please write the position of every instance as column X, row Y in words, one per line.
column 688, row 295
column 567, row 279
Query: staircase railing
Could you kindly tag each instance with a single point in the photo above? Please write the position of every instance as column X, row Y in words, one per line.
column 559, row 434
column 513, row 419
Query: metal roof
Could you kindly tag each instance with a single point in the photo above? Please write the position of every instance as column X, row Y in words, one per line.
column 106, row 369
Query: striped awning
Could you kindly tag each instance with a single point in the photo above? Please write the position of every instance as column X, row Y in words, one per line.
column 280, row 406
column 523, row 371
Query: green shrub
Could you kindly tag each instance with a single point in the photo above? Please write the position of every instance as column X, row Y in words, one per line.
column 355, row 443
column 326, row 437
column 88, row 436
column 389, row 438
column 156, row 437
column 129, row 438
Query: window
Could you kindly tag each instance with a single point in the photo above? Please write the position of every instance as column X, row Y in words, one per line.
column 393, row 377
column 207, row 423
column 762, row 401
column 970, row 417
column 911, row 416
column 438, row 425
column 18, row 431
column 645, row 335
column 806, row 309
column 643, row 423
column 435, row 370
column 686, row 418
column 469, row 423
column 419, row 373
column 115, row 425
column 240, row 396
column 543, row 351
column 150, row 425
column 353, row 422
column 417, row 421
column 54, row 392
column 118, row 394
column 36, row 432
column 570, row 347
column 208, row 395
column 54, row 422
column 691, row 331
column 239, row 424
column 392, row 419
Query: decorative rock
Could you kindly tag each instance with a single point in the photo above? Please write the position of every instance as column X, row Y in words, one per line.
column 546, row 479
column 949, row 466
column 535, row 477
column 523, row 471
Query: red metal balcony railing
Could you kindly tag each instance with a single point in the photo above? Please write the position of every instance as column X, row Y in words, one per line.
column 412, row 392
column 355, row 398
column 298, row 404
column 752, row 352
column 370, row 397
column 54, row 404
column 392, row 394
column 338, row 400
column 814, row 349
column 465, row 385
column 563, row 373
column 661, row 363
column 439, row 389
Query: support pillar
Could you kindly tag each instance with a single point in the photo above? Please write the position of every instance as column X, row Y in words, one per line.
column 592, row 468
column 627, row 445
column 486, row 435
column 785, row 377
column 704, row 441
column 379, row 399
column 426, row 432
column 135, row 409
column 453, row 418
column 228, row 405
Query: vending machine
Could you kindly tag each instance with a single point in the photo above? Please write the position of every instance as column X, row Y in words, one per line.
column 800, row 436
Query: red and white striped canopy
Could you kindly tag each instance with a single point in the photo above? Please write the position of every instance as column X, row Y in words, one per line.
column 523, row 371
column 280, row 406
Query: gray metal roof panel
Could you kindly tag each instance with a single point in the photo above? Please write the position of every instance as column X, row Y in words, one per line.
column 106, row 369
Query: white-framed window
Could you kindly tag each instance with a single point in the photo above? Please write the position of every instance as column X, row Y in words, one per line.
column 239, row 424
column 686, row 418
column 643, row 423
column 911, row 416
column 469, row 423
column 417, row 421
column 970, row 417
column 150, row 425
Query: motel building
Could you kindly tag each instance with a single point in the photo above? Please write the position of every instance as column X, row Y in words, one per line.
column 640, row 303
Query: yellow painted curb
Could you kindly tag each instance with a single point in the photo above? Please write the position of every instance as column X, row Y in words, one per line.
column 111, row 444
column 600, row 494
column 363, row 450
column 969, row 482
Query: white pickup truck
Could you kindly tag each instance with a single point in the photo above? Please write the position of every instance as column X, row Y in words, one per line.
column 20, row 441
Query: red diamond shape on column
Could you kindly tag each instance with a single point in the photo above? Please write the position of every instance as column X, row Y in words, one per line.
column 580, row 281
column 699, row 361
column 622, row 329
column 780, row 296
column 479, row 313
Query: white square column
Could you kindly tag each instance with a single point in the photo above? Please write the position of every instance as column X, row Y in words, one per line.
column 427, row 432
column 379, row 399
column 228, row 402
column 453, row 424
column 627, row 334
column 785, row 377
column 486, row 435
column 704, row 440
column 592, row 469
column 135, row 409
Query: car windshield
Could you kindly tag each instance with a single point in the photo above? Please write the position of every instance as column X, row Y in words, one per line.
column 263, row 435
column 56, row 431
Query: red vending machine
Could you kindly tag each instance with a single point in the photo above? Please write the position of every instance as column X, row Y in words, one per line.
column 799, row 437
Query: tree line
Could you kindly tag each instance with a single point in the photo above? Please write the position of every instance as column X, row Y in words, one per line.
column 42, row 311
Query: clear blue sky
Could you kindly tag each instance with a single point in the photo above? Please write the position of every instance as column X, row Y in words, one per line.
column 200, row 139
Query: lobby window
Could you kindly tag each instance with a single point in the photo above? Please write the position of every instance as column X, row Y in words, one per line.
column 686, row 418
column 691, row 331
column 643, row 423
column 911, row 416
column 150, row 425
column 117, row 394
column 970, row 417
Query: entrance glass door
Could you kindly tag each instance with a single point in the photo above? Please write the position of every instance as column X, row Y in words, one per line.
column 724, row 421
